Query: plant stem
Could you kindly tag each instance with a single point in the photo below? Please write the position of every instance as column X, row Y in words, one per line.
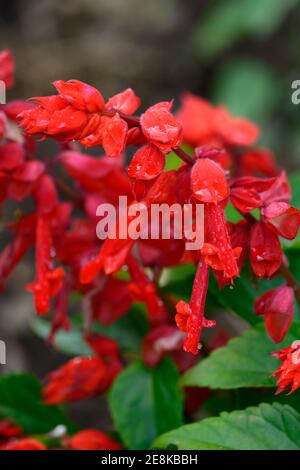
column 183, row 155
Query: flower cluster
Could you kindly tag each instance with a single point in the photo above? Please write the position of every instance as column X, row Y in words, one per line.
column 221, row 167
column 12, row 437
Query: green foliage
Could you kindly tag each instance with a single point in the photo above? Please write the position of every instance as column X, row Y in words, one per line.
column 267, row 427
column 247, row 87
column 146, row 402
column 230, row 20
column 245, row 361
column 20, row 400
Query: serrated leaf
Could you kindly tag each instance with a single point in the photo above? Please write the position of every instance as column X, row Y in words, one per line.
column 244, row 362
column 266, row 427
column 20, row 400
column 146, row 402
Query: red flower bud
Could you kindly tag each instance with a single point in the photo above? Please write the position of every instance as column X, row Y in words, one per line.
column 265, row 251
column 277, row 308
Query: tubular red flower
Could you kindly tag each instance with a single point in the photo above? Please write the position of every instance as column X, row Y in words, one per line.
column 7, row 68
column 219, row 240
column 209, row 183
column 79, row 378
column 277, row 308
column 282, row 219
column 80, row 95
column 265, row 251
column 26, row 443
column 160, row 127
column 163, row 339
column 190, row 317
column 92, row 439
column 147, row 163
column 288, row 373
column 126, row 102
column 48, row 281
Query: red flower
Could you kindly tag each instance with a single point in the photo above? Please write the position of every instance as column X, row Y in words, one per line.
column 9, row 429
column 143, row 289
column 245, row 192
column 218, row 251
column 7, row 68
column 265, row 251
column 79, row 378
column 235, row 130
column 125, row 102
column 258, row 162
column 190, row 317
column 27, row 443
column 92, row 439
column 289, row 371
column 202, row 122
column 160, row 127
column 277, row 307
column 208, row 181
column 48, row 281
column 162, row 340
column 282, row 219
column 79, row 113
column 147, row 163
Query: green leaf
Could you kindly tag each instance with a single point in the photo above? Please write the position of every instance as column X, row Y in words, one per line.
column 230, row 20
column 244, row 362
column 69, row 342
column 247, row 88
column 20, row 400
column 128, row 331
column 266, row 427
column 146, row 402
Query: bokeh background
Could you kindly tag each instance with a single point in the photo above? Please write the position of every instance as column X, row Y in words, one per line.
column 240, row 53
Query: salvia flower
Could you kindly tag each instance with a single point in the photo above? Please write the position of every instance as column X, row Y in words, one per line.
column 190, row 316
column 277, row 307
column 288, row 373
column 92, row 439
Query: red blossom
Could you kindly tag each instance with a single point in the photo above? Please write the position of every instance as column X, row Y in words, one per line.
column 277, row 308
column 265, row 251
column 7, row 68
column 79, row 378
column 26, row 443
column 190, row 317
column 160, row 127
column 48, row 281
column 208, row 181
column 282, row 219
column 147, row 163
column 92, row 439
column 288, row 373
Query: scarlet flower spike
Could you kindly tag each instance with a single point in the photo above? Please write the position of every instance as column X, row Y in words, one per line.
column 190, row 317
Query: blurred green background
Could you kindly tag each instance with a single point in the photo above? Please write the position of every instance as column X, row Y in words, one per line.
column 241, row 53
